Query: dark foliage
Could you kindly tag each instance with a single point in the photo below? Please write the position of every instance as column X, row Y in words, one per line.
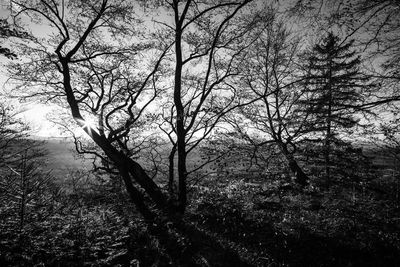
column 261, row 223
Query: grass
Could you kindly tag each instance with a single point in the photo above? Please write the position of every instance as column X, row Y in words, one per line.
column 291, row 230
column 240, row 220
column 262, row 225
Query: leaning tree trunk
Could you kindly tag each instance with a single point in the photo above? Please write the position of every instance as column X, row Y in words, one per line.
column 300, row 177
column 128, row 168
column 130, row 171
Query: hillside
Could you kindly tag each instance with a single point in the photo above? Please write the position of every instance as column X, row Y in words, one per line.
column 61, row 156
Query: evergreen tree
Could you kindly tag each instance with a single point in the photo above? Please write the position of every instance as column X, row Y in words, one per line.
column 334, row 89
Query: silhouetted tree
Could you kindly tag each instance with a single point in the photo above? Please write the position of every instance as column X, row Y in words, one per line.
column 374, row 27
column 115, row 81
column 271, row 76
column 333, row 93
column 209, row 39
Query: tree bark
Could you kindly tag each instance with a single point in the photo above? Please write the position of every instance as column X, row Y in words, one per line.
column 300, row 177
column 180, row 113
column 135, row 195
column 171, row 174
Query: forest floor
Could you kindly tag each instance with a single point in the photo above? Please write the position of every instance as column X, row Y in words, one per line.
column 262, row 224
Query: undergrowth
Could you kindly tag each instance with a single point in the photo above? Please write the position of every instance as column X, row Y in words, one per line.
column 265, row 224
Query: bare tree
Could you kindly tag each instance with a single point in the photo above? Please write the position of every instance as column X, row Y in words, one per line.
column 103, row 67
column 75, row 65
column 209, row 42
column 87, row 66
column 272, row 75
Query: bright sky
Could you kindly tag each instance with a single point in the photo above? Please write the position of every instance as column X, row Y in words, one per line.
column 34, row 114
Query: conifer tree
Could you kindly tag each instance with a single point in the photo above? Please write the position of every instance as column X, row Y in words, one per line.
column 334, row 89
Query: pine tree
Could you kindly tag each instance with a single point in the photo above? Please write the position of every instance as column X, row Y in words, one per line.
column 334, row 88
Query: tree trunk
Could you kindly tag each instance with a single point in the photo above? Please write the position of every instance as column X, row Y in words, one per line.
column 300, row 177
column 180, row 113
column 328, row 126
column 23, row 192
column 327, row 155
column 131, row 170
column 135, row 195
column 171, row 174
column 182, row 197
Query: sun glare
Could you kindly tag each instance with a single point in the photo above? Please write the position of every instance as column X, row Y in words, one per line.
column 86, row 126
